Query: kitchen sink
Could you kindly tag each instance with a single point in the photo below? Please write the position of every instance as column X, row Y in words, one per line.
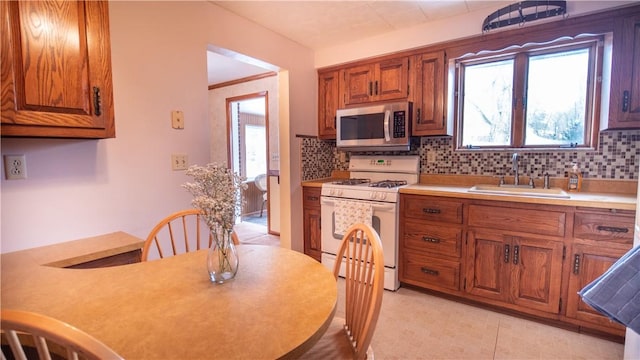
column 520, row 191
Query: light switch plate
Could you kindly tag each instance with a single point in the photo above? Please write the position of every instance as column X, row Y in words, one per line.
column 177, row 119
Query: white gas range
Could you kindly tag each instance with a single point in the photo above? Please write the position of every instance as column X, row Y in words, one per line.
column 375, row 182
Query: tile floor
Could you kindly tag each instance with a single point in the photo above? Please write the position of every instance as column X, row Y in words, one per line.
column 252, row 233
column 415, row 325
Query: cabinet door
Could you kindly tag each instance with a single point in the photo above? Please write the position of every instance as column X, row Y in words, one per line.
column 328, row 102
column 311, row 222
column 588, row 263
column 489, row 256
column 61, row 93
column 536, row 273
column 358, row 84
column 428, row 107
column 386, row 80
column 624, row 110
column 392, row 80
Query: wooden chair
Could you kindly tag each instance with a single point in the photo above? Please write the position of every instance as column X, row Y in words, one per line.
column 178, row 233
column 350, row 338
column 27, row 332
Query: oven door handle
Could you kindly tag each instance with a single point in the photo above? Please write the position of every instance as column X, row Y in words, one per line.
column 387, row 131
column 374, row 206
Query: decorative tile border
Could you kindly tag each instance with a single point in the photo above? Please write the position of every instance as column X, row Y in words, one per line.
column 617, row 157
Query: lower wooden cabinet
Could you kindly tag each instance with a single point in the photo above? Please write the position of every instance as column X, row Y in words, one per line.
column 601, row 237
column 527, row 258
column 431, row 243
column 311, row 222
column 525, row 271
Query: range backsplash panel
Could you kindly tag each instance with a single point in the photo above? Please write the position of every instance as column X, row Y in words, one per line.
column 617, row 157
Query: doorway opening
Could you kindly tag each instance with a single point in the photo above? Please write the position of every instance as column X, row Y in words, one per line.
column 248, row 129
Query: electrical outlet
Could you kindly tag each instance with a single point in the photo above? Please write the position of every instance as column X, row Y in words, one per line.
column 431, row 156
column 177, row 119
column 15, row 167
column 179, row 162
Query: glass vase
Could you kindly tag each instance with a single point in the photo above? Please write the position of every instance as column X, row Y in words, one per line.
column 222, row 259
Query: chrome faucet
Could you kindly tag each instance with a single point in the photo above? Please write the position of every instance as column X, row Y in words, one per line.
column 514, row 159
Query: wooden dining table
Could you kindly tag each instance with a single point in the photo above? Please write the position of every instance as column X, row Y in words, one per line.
column 278, row 305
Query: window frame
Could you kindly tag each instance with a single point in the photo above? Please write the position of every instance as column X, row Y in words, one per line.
column 520, row 56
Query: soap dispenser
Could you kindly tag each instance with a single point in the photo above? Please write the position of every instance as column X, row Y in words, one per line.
column 575, row 179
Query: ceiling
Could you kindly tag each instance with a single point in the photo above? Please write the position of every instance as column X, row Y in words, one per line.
column 319, row 24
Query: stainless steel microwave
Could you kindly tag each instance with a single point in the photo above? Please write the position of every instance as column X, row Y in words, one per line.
column 383, row 127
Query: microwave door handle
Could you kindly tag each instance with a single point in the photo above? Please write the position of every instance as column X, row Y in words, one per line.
column 387, row 116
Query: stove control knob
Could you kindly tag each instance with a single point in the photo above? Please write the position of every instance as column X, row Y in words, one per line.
column 382, row 196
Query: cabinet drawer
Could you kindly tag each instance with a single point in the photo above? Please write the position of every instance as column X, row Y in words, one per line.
column 311, row 197
column 433, row 238
column 604, row 227
column 542, row 222
column 422, row 270
column 425, row 208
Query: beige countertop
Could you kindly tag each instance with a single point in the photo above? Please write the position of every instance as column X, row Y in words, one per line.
column 168, row 308
column 607, row 194
column 597, row 200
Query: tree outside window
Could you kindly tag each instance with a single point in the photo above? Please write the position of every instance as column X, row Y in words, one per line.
column 536, row 97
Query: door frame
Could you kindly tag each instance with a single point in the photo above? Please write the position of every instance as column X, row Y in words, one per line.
column 230, row 139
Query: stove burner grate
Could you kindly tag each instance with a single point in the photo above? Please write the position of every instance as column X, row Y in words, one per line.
column 351, row 181
column 388, row 183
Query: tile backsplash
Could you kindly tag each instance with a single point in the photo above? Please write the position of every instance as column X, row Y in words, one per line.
column 617, row 157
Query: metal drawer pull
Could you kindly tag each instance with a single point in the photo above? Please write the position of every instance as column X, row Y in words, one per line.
column 430, row 211
column 313, row 198
column 625, row 101
column 576, row 264
column 506, row 254
column 97, row 101
column 516, row 252
column 430, row 239
column 429, row 271
column 612, row 229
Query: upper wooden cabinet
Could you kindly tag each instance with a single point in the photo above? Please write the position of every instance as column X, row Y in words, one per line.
column 385, row 80
column 56, row 69
column 428, row 96
column 624, row 107
column 328, row 103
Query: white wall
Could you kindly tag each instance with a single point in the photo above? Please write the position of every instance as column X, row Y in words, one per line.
column 218, row 116
column 81, row 188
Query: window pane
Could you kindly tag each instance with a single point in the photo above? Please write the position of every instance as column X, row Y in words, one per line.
column 256, row 152
column 487, row 104
column 557, row 90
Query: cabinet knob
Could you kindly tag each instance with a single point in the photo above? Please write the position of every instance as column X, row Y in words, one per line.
column 506, row 253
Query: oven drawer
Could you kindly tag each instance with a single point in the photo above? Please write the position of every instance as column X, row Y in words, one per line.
column 434, row 239
column 429, row 272
column 426, row 208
